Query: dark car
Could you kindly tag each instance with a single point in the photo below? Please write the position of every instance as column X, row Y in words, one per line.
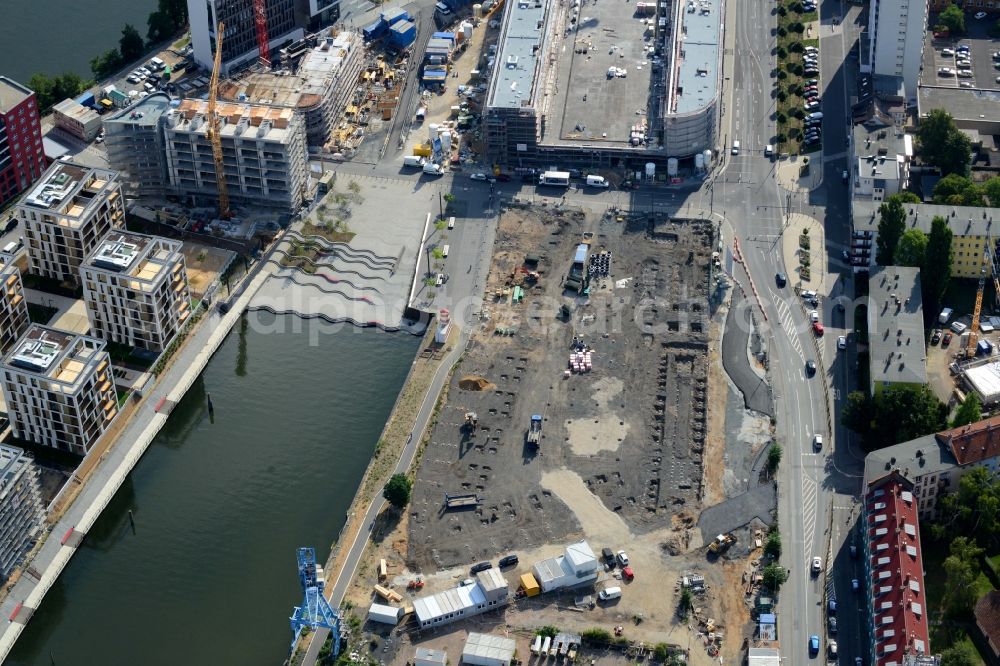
column 936, row 336
column 11, row 225
column 831, row 606
column 503, row 177
column 854, row 550
column 780, row 279
column 609, row 556
column 810, row 368
column 482, row 566
column 831, row 625
column 508, row 561
column 946, row 340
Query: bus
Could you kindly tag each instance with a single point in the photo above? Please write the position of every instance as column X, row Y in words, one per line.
column 560, row 178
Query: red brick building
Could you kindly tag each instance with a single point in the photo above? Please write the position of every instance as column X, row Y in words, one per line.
column 22, row 159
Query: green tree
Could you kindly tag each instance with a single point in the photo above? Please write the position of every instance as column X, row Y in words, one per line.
column 960, row 654
column 991, row 189
column 957, row 190
column 953, row 18
column 907, row 411
column 970, row 411
column 160, row 26
column 974, row 508
column 50, row 91
column 131, row 45
column 774, row 457
column 685, row 602
column 935, row 274
column 961, row 571
column 942, row 144
column 911, row 249
column 106, row 64
column 891, row 225
column 772, row 546
column 397, row 490
column 857, row 413
column 774, row 576
column 906, row 197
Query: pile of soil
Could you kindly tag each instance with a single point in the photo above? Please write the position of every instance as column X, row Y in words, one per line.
column 474, row 383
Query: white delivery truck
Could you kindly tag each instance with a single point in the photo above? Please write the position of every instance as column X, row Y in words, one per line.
column 414, row 161
column 596, row 181
column 433, row 169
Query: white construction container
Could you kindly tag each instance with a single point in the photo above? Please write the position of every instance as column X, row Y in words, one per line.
column 699, row 161
column 467, row 31
column 671, row 168
column 707, row 156
column 650, row 170
column 432, row 131
column 536, row 646
column 477, row 10
column 384, row 614
column 546, row 644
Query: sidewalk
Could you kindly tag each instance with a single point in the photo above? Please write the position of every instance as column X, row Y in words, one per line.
column 789, row 173
column 68, row 532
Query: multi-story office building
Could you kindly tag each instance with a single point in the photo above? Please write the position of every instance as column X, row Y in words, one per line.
column 136, row 290
column 13, row 307
column 22, row 159
column 59, row 389
column 896, row 46
column 893, row 580
column 239, row 43
column 134, row 140
column 264, row 152
column 66, row 214
column 21, row 508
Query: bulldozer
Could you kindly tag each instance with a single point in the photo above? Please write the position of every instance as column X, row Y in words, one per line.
column 721, row 543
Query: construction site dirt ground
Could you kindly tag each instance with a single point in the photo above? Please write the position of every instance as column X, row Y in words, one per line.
column 622, row 451
column 203, row 264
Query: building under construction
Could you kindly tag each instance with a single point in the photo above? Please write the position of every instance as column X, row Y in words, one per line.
column 319, row 86
column 264, row 154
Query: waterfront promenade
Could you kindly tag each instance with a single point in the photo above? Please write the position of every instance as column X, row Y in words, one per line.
column 68, row 532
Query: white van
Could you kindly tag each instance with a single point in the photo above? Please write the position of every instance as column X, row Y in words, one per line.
column 413, row 161
column 736, row 148
column 451, row 222
column 768, row 150
column 609, row 593
column 10, row 248
column 596, row 181
column 444, row 251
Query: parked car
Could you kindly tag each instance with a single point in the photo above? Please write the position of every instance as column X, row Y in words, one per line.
column 609, row 556
column 831, row 625
column 842, row 342
column 980, row 15
column 831, row 606
column 479, row 176
column 945, row 71
column 946, row 340
column 622, row 558
column 947, row 52
column 831, row 647
column 508, row 561
column 482, row 566
column 810, row 368
column 627, row 573
column 965, row 84
column 814, row 316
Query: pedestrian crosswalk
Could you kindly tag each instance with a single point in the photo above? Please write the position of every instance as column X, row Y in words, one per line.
column 785, row 317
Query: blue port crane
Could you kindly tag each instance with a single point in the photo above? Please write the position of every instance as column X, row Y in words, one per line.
column 315, row 611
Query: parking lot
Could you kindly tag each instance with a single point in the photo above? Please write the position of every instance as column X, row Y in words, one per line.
column 944, row 53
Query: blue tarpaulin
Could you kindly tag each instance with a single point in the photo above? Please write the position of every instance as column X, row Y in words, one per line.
column 768, row 618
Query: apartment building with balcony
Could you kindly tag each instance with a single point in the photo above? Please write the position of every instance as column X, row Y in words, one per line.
column 896, row 45
column 66, row 214
column 895, row 597
column 59, row 389
column 22, row 158
column 22, row 510
column 13, row 307
column 264, row 153
column 136, row 290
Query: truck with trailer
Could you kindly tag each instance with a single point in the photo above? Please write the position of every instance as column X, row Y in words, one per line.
column 534, row 431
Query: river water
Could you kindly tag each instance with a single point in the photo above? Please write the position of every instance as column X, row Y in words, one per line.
column 209, row 577
column 56, row 36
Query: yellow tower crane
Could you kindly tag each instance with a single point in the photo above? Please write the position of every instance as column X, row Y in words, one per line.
column 989, row 263
column 214, row 127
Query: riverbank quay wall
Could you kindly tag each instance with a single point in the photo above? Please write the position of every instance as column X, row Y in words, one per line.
column 68, row 532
